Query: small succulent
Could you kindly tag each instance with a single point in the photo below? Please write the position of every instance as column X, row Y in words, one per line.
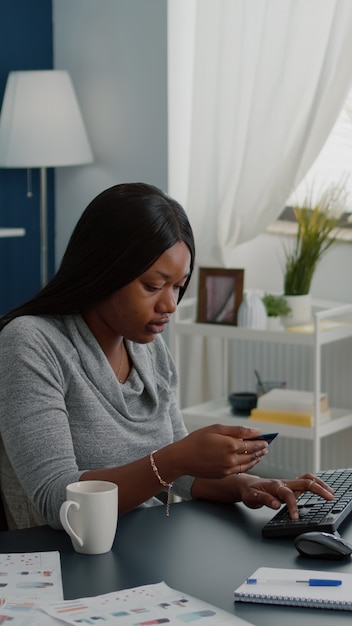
column 275, row 305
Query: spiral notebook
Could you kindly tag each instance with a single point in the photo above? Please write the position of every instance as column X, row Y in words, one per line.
column 297, row 587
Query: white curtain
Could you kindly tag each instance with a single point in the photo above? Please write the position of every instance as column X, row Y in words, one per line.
column 255, row 87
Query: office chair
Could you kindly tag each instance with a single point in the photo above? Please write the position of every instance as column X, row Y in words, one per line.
column 3, row 522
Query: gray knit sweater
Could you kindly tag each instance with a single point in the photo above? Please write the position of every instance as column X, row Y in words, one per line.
column 63, row 412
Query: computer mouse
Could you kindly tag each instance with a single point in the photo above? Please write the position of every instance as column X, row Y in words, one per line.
column 320, row 545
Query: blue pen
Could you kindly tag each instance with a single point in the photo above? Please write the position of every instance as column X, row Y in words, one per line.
column 312, row 582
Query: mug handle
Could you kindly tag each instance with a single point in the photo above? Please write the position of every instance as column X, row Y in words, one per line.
column 66, row 524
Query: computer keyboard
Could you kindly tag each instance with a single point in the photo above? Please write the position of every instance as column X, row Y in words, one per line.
column 315, row 513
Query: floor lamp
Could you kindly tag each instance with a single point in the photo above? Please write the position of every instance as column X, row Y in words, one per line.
column 41, row 126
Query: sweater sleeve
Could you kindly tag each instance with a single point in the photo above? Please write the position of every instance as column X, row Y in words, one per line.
column 33, row 420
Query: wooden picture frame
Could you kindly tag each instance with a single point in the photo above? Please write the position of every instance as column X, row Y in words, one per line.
column 220, row 293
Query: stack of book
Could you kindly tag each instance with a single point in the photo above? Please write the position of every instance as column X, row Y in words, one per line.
column 289, row 406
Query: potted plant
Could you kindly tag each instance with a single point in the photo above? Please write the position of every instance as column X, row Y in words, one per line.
column 317, row 223
column 276, row 306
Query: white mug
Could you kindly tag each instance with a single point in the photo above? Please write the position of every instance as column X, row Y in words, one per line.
column 89, row 515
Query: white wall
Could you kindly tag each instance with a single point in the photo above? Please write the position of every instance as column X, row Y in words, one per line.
column 115, row 51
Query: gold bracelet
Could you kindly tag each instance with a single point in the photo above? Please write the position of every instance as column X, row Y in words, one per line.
column 161, row 481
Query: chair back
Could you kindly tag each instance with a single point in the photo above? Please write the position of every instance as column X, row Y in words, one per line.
column 3, row 521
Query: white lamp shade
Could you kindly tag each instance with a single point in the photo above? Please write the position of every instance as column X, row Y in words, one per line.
column 40, row 122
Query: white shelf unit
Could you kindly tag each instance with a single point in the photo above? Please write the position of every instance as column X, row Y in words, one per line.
column 330, row 324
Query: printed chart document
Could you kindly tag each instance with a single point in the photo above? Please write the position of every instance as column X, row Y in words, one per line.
column 297, row 587
column 140, row 606
column 25, row 580
column 31, row 575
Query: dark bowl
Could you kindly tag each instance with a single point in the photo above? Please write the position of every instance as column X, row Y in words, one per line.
column 242, row 402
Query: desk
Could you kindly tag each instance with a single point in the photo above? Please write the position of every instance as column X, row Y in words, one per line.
column 203, row 549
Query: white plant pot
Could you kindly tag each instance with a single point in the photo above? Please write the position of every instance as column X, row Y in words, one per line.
column 274, row 323
column 301, row 310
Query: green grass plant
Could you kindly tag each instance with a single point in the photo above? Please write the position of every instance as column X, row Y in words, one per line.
column 317, row 231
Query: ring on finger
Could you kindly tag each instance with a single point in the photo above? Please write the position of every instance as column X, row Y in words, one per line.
column 278, row 489
column 245, row 450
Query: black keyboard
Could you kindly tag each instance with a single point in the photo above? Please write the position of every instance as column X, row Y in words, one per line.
column 315, row 513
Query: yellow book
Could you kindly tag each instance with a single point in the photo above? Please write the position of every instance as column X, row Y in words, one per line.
column 286, row 417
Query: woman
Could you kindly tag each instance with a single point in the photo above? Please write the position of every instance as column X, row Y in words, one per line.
column 87, row 383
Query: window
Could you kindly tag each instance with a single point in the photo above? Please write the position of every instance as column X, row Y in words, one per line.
column 333, row 165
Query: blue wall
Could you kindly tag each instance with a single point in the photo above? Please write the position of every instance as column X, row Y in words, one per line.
column 25, row 44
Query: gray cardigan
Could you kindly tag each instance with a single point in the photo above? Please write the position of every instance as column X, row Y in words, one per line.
column 63, row 411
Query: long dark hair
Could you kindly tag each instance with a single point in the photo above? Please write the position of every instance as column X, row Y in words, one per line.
column 119, row 235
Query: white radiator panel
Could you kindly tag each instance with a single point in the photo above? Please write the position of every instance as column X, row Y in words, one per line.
column 288, row 458
column 294, row 364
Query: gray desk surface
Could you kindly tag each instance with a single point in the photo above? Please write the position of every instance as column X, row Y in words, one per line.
column 205, row 550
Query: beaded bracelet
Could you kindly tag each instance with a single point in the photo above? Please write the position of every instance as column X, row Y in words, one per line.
column 161, row 481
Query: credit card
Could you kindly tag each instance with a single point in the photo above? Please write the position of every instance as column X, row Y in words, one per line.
column 267, row 436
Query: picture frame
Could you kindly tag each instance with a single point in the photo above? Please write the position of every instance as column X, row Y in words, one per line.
column 220, row 293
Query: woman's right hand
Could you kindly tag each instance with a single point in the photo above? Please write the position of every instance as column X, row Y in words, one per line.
column 217, row 451
column 213, row 452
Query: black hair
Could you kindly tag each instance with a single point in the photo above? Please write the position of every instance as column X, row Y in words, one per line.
column 119, row 236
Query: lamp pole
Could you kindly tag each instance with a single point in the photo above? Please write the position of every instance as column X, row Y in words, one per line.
column 43, row 228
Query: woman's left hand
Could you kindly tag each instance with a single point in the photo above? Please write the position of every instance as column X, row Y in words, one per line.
column 257, row 492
